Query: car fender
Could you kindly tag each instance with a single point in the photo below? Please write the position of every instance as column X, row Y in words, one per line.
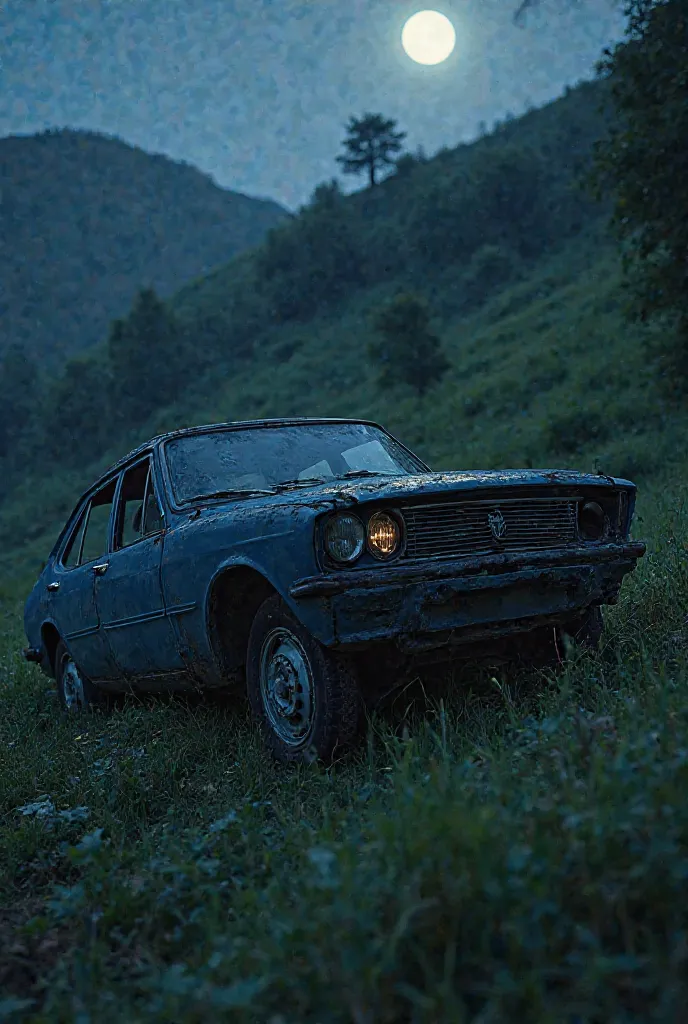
column 274, row 541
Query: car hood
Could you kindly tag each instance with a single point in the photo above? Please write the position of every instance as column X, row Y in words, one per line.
column 403, row 488
column 393, row 489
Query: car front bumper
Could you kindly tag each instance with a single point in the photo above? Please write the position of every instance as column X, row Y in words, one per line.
column 422, row 606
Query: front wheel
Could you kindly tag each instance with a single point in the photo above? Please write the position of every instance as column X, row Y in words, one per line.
column 304, row 697
column 75, row 691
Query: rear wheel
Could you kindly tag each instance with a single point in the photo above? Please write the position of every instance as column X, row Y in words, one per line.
column 75, row 691
column 304, row 697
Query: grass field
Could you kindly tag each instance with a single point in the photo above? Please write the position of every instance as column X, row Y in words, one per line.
column 545, row 373
column 504, row 850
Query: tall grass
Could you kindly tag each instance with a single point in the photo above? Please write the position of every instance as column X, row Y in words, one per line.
column 512, row 850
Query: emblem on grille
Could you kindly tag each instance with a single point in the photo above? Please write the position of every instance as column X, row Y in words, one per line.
column 497, row 524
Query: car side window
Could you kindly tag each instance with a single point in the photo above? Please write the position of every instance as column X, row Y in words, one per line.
column 138, row 513
column 153, row 521
column 72, row 551
column 95, row 541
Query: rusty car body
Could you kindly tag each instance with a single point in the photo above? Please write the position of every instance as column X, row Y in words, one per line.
column 293, row 554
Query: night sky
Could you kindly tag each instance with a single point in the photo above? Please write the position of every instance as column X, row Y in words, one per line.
column 256, row 92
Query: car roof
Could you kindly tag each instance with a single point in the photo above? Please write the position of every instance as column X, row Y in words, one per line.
column 291, row 421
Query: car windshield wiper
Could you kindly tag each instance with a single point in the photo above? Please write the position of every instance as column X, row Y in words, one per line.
column 306, row 481
column 366, row 472
column 237, row 492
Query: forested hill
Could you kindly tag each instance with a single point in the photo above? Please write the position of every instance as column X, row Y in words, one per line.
column 85, row 220
column 522, row 282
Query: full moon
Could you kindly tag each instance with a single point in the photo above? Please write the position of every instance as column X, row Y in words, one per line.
column 428, row 37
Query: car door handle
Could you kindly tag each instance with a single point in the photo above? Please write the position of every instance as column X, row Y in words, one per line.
column 53, row 586
column 100, row 570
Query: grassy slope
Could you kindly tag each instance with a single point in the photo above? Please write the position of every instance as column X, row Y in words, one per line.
column 545, row 373
column 515, row 857
column 87, row 219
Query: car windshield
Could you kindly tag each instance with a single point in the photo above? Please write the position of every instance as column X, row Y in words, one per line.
column 251, row 460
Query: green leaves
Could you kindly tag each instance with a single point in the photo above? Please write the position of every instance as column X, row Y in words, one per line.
column 643, row 164
column 407, row 352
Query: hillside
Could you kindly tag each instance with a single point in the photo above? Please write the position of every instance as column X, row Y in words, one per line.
column 86, row 220
column 544, row 370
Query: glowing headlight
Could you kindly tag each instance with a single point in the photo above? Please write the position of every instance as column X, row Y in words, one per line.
column 384, row 535
column 344, row 537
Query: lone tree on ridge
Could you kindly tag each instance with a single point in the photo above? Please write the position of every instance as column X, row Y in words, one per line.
column 370, row 145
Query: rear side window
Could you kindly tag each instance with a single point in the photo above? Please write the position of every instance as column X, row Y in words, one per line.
column 72, row 552
column 138, row 514
column 95, row 541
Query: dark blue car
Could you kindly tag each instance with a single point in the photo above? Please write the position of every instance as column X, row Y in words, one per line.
column 319, row 561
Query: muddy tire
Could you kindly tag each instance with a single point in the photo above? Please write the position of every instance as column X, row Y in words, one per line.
column 75, row 691
column 305, row 698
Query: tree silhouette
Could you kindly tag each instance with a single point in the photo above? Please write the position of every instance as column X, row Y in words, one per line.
column 643, row 163
column 407, row 351
column 370, row 145
column 143, row 352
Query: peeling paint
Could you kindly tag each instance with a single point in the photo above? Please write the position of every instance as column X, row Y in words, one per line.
column 219, row 557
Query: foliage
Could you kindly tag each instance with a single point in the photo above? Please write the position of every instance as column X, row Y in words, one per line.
column 497, row 199
column 549, row 342
column 313, row 260
column 86, row 220
column 519, row 348
column 370, row 146
column 490, row 268
column 18, row 383
column 145, row 359
column 78, row 413
column 643, row 162
column 406, row 350
column 505, row 848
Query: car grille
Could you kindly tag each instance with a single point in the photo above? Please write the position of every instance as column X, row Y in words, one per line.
column 453, row 529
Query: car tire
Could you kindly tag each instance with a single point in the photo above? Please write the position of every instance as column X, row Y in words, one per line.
column 305, row 698
column 75, row 691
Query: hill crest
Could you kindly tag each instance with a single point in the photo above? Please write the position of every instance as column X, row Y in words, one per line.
column 86, row 219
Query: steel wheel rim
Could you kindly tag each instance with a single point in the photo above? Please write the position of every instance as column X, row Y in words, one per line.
column 286, row 686
column 72, row 685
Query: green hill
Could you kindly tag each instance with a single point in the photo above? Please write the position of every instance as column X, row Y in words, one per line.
column 544, row 371
column 86, row 219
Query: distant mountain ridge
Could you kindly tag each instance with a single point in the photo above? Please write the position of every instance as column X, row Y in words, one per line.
column 87, row 219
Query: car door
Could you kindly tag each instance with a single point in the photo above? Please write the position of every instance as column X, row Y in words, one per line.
column 129, row 593
column 73, row 587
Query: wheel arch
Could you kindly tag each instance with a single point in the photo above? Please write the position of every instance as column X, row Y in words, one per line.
column 235, row 594
column 50, row 639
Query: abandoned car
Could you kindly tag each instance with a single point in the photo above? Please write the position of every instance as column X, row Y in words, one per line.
column 308, row 557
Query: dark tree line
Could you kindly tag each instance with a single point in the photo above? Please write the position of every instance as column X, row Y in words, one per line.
column 643, row 163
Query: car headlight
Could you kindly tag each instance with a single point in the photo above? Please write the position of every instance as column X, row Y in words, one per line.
column 344, row 537
column 384, row 535
column 591, row 521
